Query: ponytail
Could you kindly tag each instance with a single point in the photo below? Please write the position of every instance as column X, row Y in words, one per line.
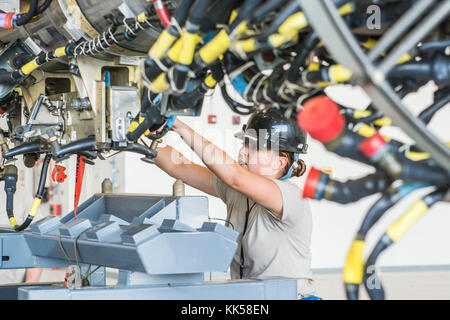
column 301, row 166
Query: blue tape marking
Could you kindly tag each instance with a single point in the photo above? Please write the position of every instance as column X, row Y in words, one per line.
column 239, row 84
column 171, row 121
column 323, row 181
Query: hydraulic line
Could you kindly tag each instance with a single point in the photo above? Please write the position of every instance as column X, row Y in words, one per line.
column 319, row 185
column 382, row 153
column 392, row 235
column 23, row 19
column 36, row 146
column 428, row 114
column 354, row 265
column 43, row 7
column 308, row 45
column 87, row 144
column 37, row 199
column 438, row 70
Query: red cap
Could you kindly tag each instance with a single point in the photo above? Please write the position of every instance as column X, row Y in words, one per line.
column 372, row 145
column 309, row 189
column 321, row 118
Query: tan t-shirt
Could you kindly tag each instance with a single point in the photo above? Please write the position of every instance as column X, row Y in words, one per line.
column 273, row 247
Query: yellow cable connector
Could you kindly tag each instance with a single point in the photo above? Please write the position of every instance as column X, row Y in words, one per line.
column 366, row 131
column 30, row 67
column 13, row 221
column 60, row 52
column 398, row 228
column 358, row 114
column 213, row 49
column 339, row 73
column 142, row 17
column 210, row 81
column 188, row 43
column 295, row 22
column 159, row 48
column 247, row 45
column 35, row 207
column 383, row 122
column 160, row 84
column 354, row 264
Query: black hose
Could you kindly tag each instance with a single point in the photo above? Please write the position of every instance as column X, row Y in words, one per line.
column 219, row 13
column 424, row 172
column 88, row 144
column 264, row 9
column 245, row 10
column 234, row 105
column 25, row 18
column 198, row 10
column 10, row 179
column 39, row 193
column 289, row 9
column 180, row 15
column 308, row 45
column 137, row 148
column 25, row 148
column 43, row 7
column 354, row 190
column 427, row 114
column 384, row 203
column 372, row 283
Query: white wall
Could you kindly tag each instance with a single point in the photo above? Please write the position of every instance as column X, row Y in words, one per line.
column 335, row 225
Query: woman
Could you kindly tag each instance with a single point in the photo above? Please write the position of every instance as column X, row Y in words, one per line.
column 273, row 221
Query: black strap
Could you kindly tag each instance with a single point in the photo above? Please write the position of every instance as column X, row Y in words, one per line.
column 247, row 214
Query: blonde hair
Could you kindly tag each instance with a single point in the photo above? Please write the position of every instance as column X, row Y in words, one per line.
column 301, row 166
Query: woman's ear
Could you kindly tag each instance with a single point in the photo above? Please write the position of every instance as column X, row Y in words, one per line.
column 282, row 162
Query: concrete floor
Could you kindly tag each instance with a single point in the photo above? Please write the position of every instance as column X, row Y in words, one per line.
column 405, row 285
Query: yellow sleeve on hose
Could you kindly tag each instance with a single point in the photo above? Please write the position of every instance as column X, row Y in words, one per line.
column 13, row 221
column 247, row 45
column 276, row 39
column 366, row 131
column 398, row 228
column 161, row 45
column 346, row 9
column 241, row 28
column 384, row 121
column 233, row 16
column 160, row 84
column 213, row 49
column 174, row 52
column 30, row 67
column 35, row 207
column 142, row 17
column 295, row 22
column 339, row 73
column 314, row 66
column 358, row 114
column 210, row 82
column 354, row 265
column 60, row 52
column 188, row 43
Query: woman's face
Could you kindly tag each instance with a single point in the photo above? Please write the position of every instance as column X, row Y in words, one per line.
column 263, row 162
